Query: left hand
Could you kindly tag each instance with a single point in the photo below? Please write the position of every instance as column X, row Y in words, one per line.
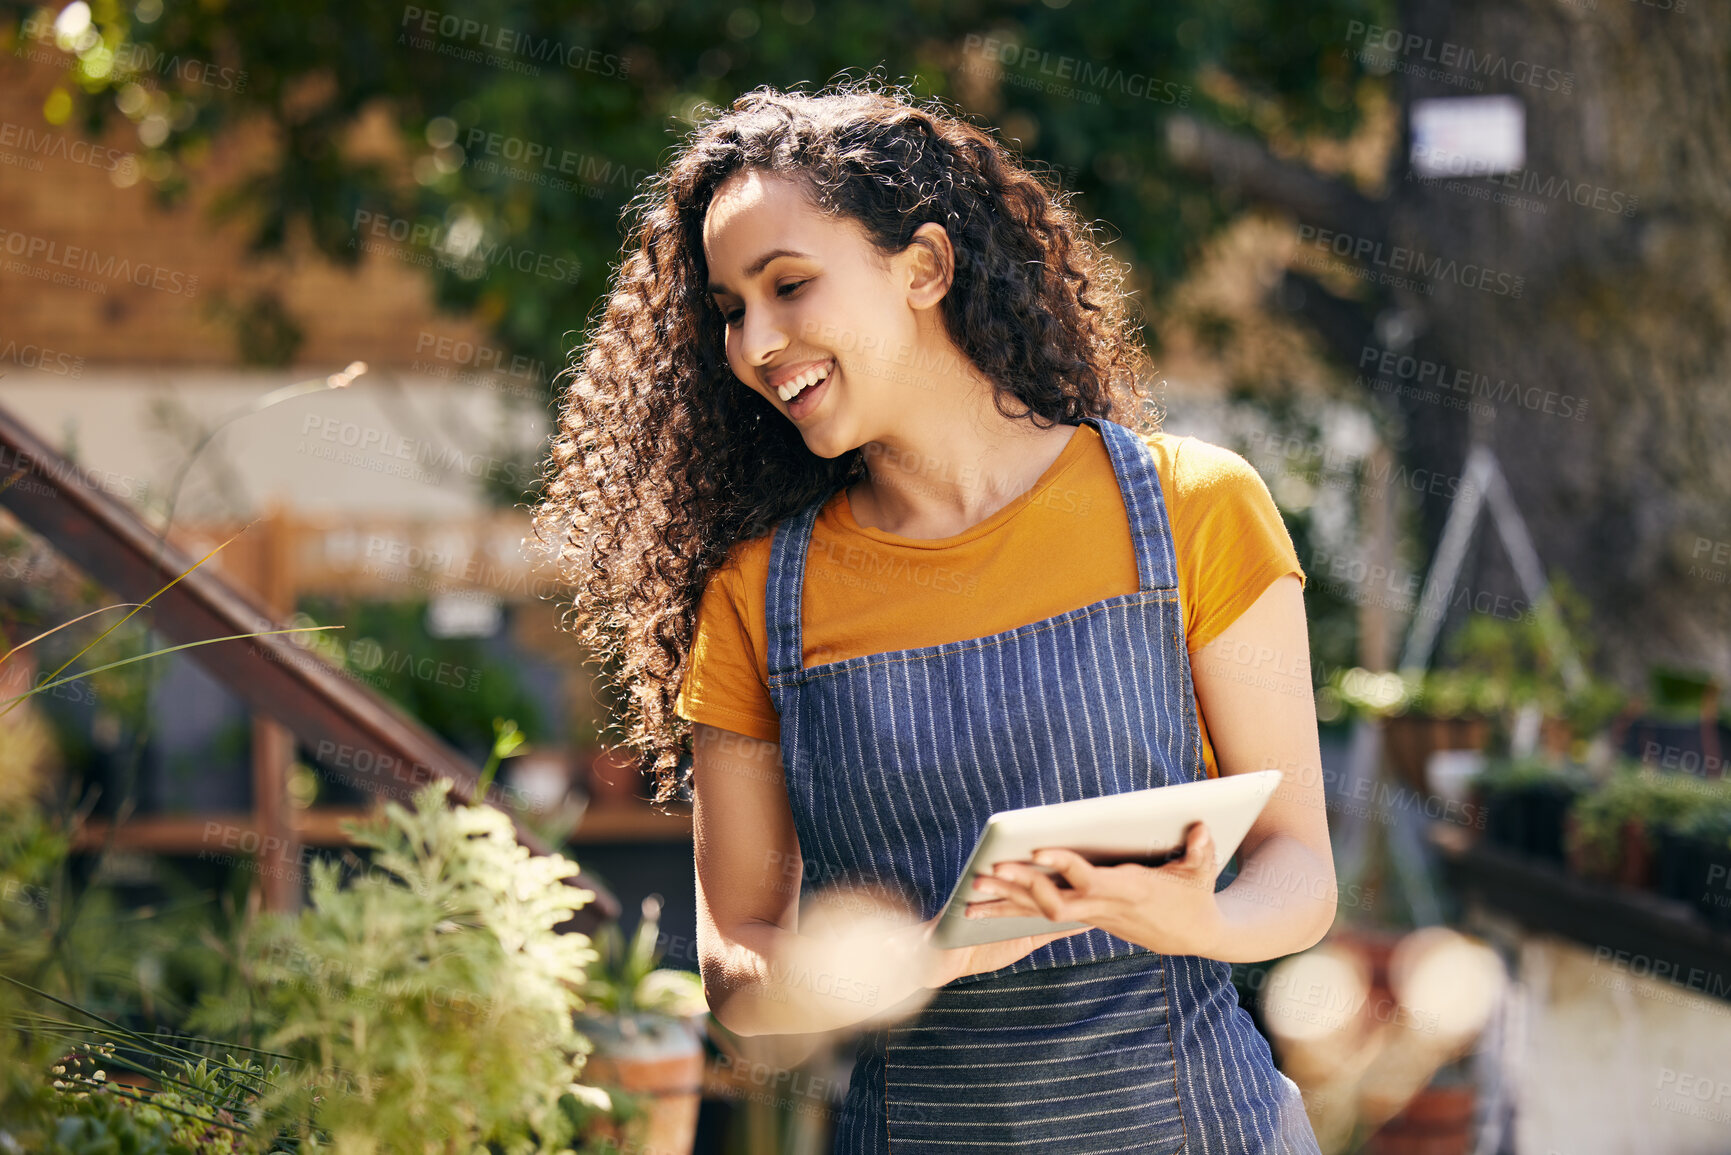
column 1170, row 909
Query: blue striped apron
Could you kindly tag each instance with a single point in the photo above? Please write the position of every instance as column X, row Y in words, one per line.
column 893, row 763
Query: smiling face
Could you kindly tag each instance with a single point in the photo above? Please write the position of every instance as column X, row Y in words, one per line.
column 808, row 301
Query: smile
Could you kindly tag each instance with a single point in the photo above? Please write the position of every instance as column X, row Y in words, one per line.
column 805, row 380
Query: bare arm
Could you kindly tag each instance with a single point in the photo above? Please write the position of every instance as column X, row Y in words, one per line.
column 760, row 975
column 1253, row 686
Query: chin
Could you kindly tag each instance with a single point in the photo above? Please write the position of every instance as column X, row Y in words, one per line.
column 826, row 445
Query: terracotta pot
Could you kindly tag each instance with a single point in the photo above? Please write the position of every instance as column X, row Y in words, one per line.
column 1555, row 737
column 1635, row 863
column 1632, row 861
column 663, row 1072
column 1438, row 1121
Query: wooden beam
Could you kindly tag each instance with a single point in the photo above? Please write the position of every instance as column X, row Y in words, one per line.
column 341, row 722
column 631, row 824
column 228, row 832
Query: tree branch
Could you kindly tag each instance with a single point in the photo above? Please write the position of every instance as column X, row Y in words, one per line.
column 1239, row 165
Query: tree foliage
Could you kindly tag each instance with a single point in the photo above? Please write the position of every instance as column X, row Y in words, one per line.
column 518, row 130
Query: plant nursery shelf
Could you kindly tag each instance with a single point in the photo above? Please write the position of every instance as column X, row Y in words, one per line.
column 322, row 826
column 190, row 833
column 636, row 823
column 1629, row 929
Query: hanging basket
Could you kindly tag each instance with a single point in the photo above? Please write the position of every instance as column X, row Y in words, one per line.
column 1410, row 739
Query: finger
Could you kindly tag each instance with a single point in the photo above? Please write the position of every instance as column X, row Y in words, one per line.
column 1199, row 849
column 1195, row 837
column 1008, row 898
column 1057, row 905
column 995, row 908
column 1072, row 867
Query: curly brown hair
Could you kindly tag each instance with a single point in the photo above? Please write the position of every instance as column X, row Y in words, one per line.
column 663, row 459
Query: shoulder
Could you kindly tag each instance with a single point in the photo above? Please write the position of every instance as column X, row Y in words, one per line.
column 745, row 568
column 1191, row 468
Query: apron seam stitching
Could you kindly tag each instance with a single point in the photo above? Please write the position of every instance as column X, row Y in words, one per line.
column 983, row 643
column 1171, row 1011
column 888, row 1138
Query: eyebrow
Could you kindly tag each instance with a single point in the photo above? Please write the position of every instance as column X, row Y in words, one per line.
column 758, row 266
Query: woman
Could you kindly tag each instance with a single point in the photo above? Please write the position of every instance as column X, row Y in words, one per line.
column 840, row 464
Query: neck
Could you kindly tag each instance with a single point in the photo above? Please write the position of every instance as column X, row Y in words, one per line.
column 952, row 466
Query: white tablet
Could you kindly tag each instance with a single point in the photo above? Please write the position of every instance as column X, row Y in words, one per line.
column 1145, row 826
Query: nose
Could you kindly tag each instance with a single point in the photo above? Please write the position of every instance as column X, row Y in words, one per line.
column 761, row 336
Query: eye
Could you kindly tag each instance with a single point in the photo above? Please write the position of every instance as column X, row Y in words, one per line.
column 785, row 289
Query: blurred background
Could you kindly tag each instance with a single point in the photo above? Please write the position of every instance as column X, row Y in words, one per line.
column 1455, row 278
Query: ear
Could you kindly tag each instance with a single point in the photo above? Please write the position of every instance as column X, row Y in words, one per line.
column 931, row 265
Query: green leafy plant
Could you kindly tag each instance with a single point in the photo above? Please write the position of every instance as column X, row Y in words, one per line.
column 1709, row 823
column 427, row 1005
column 507, row 740
column 184, row 1107
column 451, row 683
column 1506, row 664
column 1638, row 794
column 1679, row 695
column 1504, row 775
column 78, row 1083
column 1501, row 665
column 432, row 998
column 636, row 1008
column 629, row 982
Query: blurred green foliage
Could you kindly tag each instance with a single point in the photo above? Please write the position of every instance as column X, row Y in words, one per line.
column 526, row 125
column 431, row 997
column 515, row 132
column 450, row 684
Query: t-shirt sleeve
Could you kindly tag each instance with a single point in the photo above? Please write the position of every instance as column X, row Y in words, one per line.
column 1231, row 541
column 723, row 684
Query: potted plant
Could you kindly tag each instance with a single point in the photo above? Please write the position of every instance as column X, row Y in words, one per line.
column 1419, row 714
column 1610, row 830
column 1525, row 801
column 1692, row 856
column 1507, row 673
column 1447, row 709
column 645, row 1025
column 612, row 774
column 1711, row 833
column 1679, row 726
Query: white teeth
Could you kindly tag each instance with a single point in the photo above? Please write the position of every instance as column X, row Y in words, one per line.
column 810, row 377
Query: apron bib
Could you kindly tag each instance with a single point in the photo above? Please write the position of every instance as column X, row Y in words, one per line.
column 894, row 761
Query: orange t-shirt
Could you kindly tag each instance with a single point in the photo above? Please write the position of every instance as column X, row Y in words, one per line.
column 867, row 591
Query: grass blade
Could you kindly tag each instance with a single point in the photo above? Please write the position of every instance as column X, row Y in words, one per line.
column 156, row 654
